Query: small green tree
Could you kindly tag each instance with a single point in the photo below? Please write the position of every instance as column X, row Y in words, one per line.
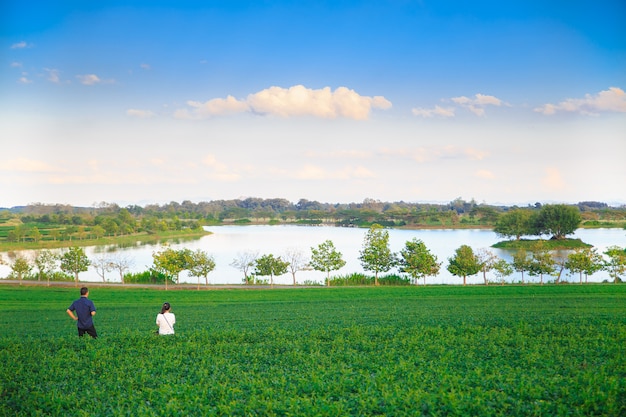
column 464, row 263
column 586, row 260
column 616, row 265
column 171, row 263
column 20, row 267
column 502, row 269
column 541, row 262
column 375, row 256
column 521, row 262
column 45, row 261
column 326, row 258
column 417, row 261
column 74, row 261
column 487, row 260
column 270, row 265
column 200, row 265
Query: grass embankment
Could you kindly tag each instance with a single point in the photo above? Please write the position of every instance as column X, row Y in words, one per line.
column 433, row 351
column 122, row 241
column 534, row 244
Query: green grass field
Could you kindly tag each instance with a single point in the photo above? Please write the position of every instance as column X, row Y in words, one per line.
column 395, row 351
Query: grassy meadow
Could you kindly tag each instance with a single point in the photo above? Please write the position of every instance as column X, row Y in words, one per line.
column 401, row 351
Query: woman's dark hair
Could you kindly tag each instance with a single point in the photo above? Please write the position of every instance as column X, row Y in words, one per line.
column 166, row 307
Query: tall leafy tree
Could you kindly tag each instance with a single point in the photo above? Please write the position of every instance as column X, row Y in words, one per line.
column 464, row 263
column 515, row 223
column 586, row 260
column 558, row 220
column 376, row 256
column 616, row 264
column 417, row 260
column 270, row 265
column 326, row 258
column 75, row 261
column 200, row 265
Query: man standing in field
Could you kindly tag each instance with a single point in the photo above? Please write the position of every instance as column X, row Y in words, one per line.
column 85, row 310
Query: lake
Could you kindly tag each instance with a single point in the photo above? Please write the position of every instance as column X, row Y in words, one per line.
column 226, row 242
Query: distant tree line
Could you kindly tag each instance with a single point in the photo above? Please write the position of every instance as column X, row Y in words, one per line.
column 38, row 221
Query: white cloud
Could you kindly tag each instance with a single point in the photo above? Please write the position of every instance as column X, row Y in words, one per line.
column 24, row 80
column 436, row 153
column 288, row 102
column 21, row 45
column 142, row 114
column 53, row 75
column 145, row 66
column 218, row 106
column 437, row 111
column 315, row 172
column 477, row 104
column 16, row 64
column 28, row 165
column 553, row 180
column 611, row 100
column 92, row 79
column 485, row 174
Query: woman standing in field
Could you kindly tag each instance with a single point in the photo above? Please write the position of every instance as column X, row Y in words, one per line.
column 165, row 320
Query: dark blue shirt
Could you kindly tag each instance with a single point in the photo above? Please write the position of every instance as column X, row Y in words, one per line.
column 83, row 308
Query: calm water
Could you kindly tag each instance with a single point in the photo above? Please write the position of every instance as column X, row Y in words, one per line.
column 227, row 242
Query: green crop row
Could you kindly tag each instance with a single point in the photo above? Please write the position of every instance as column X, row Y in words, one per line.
column 431, row 351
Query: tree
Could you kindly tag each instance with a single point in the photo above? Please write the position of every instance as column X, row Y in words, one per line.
column 297, row 262
column 243, row 262
column 75, row 261
column 20, row 267
column 200, row 265
column 417, row 261
column 616, row 265
column 326, row 258
column 521, row 262
column 502, row 269
column 541, row 262
column 270, row 265
column 464, row 263
column 487, row 260
column 171, row 262
column 121, row 264
column 102, row 265
column 514, row 223
column 45, row 261
column 558, row 220
column 375, row 255
column 586, row 260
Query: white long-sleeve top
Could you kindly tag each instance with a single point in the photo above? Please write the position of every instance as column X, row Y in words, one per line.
column 166, row 322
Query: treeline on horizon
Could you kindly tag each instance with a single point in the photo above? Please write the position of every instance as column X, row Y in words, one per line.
column 187, row 214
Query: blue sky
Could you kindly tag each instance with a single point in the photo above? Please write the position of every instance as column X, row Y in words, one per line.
column 141, row 102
